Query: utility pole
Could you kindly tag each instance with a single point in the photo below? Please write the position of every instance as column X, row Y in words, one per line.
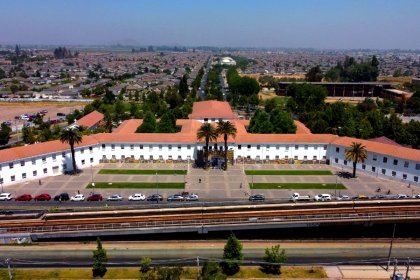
column 390, row 248
column 198, row 267
column 408, row 269
column 395, row 268
column 7, row 261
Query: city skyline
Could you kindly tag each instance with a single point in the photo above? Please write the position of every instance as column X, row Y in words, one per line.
column 254, row 24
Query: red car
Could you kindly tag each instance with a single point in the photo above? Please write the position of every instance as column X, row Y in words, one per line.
column 43, row 197
column 95, row 197
column 24, row 197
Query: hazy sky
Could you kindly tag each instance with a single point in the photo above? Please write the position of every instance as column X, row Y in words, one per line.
column 379, row 24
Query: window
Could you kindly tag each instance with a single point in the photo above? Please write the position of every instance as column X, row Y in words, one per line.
column 131, row 147
column 112, row 147
column 91, row 160
column 160, row 147
column 1, row 181
column 151, row 148
column 395, row 161
column 416, row 178
column 11, row 165
column 287, row 147
column 12, row 178
column 54, row 157
column 151, row 157
column 122, row 146
column 405, row 176
column 34, row 173
column 394, row 173
column 179, row 158
column 296, row 157
column 325, row 147
column 286, row 157
column 314, row 158
column 305, row 157
column 417, row 166
column 267, row 157
column 45, row 170
column 63, row 154
column 336, row 160
column 296, row 147
column 373, row 169
column 406, row 164
column 113, row 157
column 277, row 157
column 383, row 171
column 142, row 157
column 91, row 149
column 188, row 147
column 375, row 158
column 141, row 147
column 385, row 160
column 306, row 147
column 103, row 156
column 22, row 163
column 345, row 162
column 44, row 159
column 161, row 157
column 83, row 162
column 103, row 147
column 170, row 147
column 239, row 147
column 23, row 175
column 82, row 151
column 315, row 147
column 248, row 147
column 258, row 147
column 363, row 166
column 324, row 157
column 33, row 161
column 277, row 147
column 337, row 150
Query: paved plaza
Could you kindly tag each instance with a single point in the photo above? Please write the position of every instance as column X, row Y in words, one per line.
column 214, row 184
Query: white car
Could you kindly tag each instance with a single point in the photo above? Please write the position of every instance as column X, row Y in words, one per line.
column 6, row 196
column 137, row 197
column 78, row 197
column 323, row 197
column 343, row 197
column 416, row 196
column 115, row 197
column 192, row 197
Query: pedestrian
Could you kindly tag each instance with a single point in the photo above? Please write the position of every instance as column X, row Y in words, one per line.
column 78, row 192
column 240, row 186
column 39, row 182
column 199, row 180
column 409, row 185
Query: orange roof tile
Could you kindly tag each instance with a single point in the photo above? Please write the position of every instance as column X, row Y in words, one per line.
column 212, row 109
column 128, row 126
column 381, row 148
column 146, row 137
column 286, row 138
column 90, row 119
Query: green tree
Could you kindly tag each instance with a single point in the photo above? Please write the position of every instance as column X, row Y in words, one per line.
column 148, row 125
column 232, row 255
column 314, row 74
column 282, row 122
column 183, row 86
column 108, row 122
column 100, row 260
column 273, row 259
column 145, row 263
column 168, row 273
column 28, row 135
column 71, row 136
column 356, row 153
column 5, row 132
column 166, row 123
column 226, row 128
column 212, row 271
column 208, row 133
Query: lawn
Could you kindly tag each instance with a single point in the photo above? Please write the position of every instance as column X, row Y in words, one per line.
column 135, row 185
column 133, row 273
column 142, row 172
column 297, row 186
column 288, row 172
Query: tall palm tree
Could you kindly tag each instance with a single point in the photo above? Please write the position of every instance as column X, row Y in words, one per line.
column 226, row 128
column 356, row 153
column 209, row 133
column 71, row 136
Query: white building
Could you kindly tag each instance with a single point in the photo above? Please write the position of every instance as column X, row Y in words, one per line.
column 228, row 61
column 52, row 158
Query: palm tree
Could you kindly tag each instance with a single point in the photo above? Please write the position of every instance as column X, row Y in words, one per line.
column 226, row 129
column 209, row 133
column 71, row 136
column 356, row 153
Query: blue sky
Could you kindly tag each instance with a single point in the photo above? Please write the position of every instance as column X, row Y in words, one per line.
column 237, row 23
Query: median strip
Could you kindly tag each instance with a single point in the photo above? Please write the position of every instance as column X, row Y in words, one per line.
column 135, row 185
column 289, row 172
column 297, row 186
column 142, row 171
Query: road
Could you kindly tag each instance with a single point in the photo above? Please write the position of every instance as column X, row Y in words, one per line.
column 201, row 92
column 128, row 253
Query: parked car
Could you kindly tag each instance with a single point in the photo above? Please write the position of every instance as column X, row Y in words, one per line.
column 24, row 197
column 59, row 114
column 78, row 197
column 361, row 197
column 95, row 197
column 137, row 197
column 416, row 196
column 5, row 196
column 192, row 197
column 175, row 197
column 323, row 197
column 402, row 196
column 8, row 123
column 114, row 197
column 62, row 197
column 42, row 197
column 257, row 197
column 154, row 197
column 343, row 197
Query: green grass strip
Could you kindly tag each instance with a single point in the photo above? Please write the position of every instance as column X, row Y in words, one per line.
column 288, row 172
column 297, row 186
column 142, row 172
column 135, row 185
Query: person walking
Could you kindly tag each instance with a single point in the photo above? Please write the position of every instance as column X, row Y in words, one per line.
column 240, row 186
column 39, row 182
column 199, row 180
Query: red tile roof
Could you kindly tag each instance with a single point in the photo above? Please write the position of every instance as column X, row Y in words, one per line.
column 385, row 140
column 211, row 109
column 128, row 126
column 91, row 119
column 380, row 148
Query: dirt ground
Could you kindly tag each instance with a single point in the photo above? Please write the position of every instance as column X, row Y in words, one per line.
column 8, row 110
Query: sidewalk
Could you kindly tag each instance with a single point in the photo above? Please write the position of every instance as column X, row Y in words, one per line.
column 368, row 272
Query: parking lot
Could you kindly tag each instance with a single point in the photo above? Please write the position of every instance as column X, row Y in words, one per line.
column 213, row 184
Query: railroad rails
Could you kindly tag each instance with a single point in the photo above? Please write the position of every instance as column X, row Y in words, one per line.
column 288, row 213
